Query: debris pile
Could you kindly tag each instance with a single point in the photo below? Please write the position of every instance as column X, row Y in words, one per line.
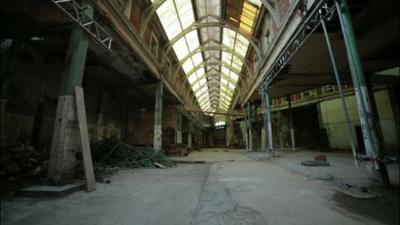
column 114, row 153
column 21, row 164
column 22, row 160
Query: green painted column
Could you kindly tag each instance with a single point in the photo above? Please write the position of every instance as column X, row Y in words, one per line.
column 291, row 126
column 246, row 133
column 268, row 112
column 178, row 128
column 250, row 126
column 157, row 144
column 369, row 130
column 190, row 134
column 66, row 139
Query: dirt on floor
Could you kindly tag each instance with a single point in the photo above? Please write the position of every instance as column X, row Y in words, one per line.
column 385, row 208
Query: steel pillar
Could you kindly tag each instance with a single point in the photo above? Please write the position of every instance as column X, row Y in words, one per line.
column 249, row 126
column 339, row 85
column 66, row 139
column 190, row 134
column 268, row 121
column 158, row 116
column 291, row 127
column 178, row 128
column 246, row 134
column 371, row 141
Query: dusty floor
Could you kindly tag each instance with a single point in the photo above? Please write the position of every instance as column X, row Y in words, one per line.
column 239, row 192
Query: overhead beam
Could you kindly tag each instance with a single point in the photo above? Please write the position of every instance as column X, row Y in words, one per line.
column 219, row 113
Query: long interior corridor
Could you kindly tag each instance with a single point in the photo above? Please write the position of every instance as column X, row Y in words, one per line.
column 199, row 112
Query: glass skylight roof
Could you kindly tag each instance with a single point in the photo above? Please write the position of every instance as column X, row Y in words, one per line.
column 212, row 82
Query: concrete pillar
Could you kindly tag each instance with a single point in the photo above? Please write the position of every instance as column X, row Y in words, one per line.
column 66, row 139
column 190, row 134
column 158, row 117
column 178, row 128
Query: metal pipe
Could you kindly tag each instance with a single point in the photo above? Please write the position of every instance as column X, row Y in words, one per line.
column 337, row 78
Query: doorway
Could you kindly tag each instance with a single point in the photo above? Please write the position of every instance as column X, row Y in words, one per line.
column 360, row 140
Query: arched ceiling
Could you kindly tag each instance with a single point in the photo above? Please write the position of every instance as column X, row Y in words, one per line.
column 211, row 42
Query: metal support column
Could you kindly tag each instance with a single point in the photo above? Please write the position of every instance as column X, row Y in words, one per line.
column 291, row 127
column 268, row 113
column 371, row 141
column 337, row 78
column 250, row 127
column 190, row 134
column 66, row 140
column 246, row 123
column 178, row 128
column 157, row 144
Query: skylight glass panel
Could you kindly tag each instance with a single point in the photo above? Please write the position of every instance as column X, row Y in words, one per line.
column 192, row 78
column 180, row 48
column 197, row 59
column 187, row 66
column 196, row 87
column 247, row 17
column 224, row 81
column 234, row 76
column 175, row 16
column 200, row 72
column 185, row 11
column 225, row 70
column 169, row 19
column 193, row 40
column 226, row 57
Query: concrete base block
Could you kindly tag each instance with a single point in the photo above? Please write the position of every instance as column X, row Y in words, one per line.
column 65, row 143
column 50, row 190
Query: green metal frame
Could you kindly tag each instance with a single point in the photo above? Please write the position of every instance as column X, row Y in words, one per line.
column 204, row 64
column 152, row 9
column 203, row 48
column 196, row 26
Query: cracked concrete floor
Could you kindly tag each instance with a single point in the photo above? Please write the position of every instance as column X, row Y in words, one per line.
column 242, row 192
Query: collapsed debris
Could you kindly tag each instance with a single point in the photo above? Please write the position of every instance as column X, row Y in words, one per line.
column 22, row 164
column 114, row 153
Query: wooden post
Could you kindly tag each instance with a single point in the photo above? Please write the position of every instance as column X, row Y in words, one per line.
column 84, row 136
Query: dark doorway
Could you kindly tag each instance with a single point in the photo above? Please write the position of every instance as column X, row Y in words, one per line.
column 220, row 137
column 360, row 140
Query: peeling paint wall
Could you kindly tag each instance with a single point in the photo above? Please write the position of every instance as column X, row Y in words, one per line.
column 334, row 121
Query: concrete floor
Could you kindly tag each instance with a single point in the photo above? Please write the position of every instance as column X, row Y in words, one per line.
column 240, row 192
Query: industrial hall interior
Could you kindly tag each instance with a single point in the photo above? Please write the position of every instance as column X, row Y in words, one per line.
column 200, row 112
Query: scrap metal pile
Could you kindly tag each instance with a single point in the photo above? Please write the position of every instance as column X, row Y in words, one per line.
column 114, row 153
